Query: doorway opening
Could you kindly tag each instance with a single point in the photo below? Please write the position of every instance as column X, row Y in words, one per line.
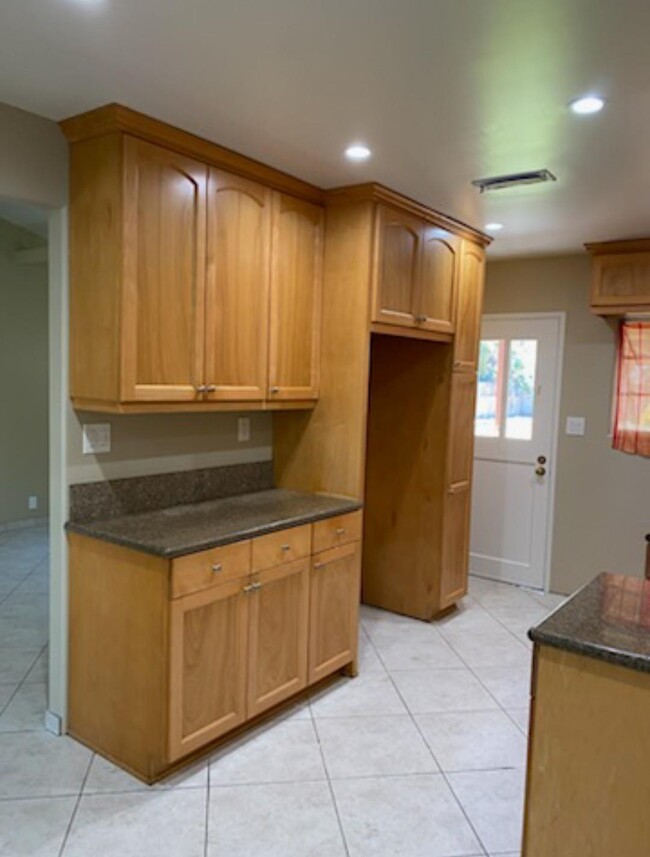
column 24, row 466
column 515, row 447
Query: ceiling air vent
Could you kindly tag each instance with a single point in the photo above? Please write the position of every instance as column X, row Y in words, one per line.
column 514, row 180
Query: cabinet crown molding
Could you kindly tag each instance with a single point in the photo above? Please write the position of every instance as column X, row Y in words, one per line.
column 375, row 192
column 627, row 245
column 115, row 118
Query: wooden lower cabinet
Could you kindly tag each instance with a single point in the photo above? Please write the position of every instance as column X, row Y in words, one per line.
column 334, row 609
column 277, row 635
column 168, row 656
column 208, row 648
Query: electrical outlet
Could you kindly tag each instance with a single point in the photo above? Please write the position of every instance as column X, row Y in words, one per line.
column 576, row 426
column 32, row 503
column 243, row 429
column 96, row 438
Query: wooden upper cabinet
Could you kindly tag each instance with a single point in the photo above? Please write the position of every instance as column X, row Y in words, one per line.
column 397, row 267
column 436, row 293
column 208, row 650
column 295, row 314
column 469, row 306
column 237, row 288
column 164, row 274
column 621, row 276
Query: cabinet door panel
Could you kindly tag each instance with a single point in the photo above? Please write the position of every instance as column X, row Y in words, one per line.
column 278, row 635
column 296, row 272
column 436, row 293
column 208, row 666
column 334, row 610
column 461, row 429
column 237, row 288
column 455, row 546
column 469, row 306
column 164, row 274
column 398, row 241
column 621, row 280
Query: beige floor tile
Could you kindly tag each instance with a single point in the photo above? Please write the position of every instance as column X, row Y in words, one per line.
column 509, row 686
column 105, row 777
column 413, row 816
column 427, row 691
column 139, row 824
column 362, row 696
column 26, row 711
column 493, row 801
column 15, row 664
column 37, row 764
column 279, row 820
column 373, row 746
column 473, row 740
column 521, row 717
column 34, row 828
column 285, row 751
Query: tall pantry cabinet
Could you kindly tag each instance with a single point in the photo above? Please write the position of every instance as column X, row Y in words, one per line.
column 394, row 422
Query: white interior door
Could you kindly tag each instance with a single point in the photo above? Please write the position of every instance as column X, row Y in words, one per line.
column 515, row 439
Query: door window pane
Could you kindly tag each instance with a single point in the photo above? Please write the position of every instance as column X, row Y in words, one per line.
column 520, row 405
column 490, row 385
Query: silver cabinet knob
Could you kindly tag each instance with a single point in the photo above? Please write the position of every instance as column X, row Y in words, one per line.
column 318, row 565
column 202, row 388
column 340, row 531
column 285, row 547
column 274, row 390
column 216, row 567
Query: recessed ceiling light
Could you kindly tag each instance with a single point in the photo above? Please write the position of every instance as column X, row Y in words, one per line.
column 493, row 227
column 587, row 104
column 357, row 152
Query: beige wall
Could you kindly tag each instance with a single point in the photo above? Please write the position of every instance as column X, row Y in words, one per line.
column 23, row 379
column 164, row 443
column 602, row 503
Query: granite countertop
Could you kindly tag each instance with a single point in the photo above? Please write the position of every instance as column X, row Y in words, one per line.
column 608, row 619
column 189, row 528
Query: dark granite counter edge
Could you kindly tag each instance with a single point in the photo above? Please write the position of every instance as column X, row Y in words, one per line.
column 91, row 530
column 591, row 650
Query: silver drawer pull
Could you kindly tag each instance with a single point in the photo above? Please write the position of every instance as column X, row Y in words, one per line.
column 340, row 531
column 318, row 565
column 274, row 390
column 252, row 587
column 420, row 319
column 216, row 567
column 201, row 388
column 210, row 388
column 285, row 547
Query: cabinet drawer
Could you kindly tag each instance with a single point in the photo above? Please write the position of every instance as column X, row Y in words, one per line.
column 198, row 571
column 280, row 547
column 337, row 531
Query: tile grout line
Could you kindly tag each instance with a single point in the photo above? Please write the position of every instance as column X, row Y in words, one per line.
column 76, row 806
column 433, row 756
column 329, row 784
column 18, row 687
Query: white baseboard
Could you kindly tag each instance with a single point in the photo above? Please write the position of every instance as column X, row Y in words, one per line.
column 28, row 523
column 53, row 723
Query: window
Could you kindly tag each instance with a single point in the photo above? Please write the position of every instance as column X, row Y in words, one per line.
column 632, row 406
column 505, row 401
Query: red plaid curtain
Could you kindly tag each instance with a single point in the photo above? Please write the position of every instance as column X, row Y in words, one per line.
column 632, row 421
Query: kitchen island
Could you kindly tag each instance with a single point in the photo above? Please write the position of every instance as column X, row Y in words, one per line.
column 588, row 776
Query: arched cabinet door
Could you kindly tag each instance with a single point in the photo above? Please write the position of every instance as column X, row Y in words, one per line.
column 163, row 293
column 237, row 288
column 469, row 306
column 295, row 304
column 397, row 267
column 435, row 298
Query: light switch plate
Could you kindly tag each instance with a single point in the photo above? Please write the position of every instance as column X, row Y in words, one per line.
column 575, row 426
column 96, row 438
column 243, row 429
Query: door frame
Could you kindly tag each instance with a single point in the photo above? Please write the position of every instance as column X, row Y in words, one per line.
column 560, row 318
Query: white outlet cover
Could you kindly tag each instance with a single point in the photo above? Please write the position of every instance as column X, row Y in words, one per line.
column 243, row 429
column 96, row 438
column 576, row 426
column 32, row 502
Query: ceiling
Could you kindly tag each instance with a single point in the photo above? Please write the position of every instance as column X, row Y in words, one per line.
column 24, row 215
column 443, row 91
